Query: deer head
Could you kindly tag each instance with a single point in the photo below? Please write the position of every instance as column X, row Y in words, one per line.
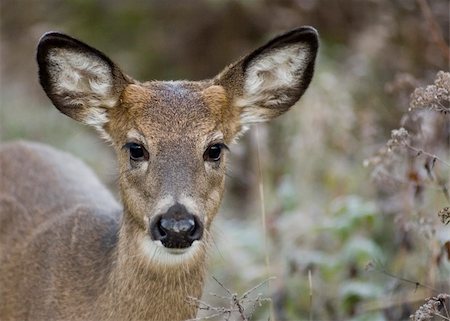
column 171, row 137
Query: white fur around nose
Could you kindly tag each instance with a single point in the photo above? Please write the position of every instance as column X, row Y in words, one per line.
column 163, row 205
column 190, row 204
column 276, row 71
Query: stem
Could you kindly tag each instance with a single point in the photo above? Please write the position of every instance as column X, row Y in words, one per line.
column 264, row 219
column 422, row 152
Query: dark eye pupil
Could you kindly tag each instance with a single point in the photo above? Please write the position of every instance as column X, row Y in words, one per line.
column 136, row 152
column 214, row 152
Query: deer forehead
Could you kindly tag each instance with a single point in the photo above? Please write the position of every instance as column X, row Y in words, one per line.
column 176, row 109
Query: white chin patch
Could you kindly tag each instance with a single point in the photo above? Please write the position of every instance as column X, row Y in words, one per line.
column 157, row 253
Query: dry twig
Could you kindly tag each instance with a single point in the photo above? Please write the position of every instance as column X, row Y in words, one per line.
column 242, row 305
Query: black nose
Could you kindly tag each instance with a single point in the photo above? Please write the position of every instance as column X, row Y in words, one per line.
column 177, row 228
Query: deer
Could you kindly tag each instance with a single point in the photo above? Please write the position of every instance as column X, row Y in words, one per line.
column 68, row 249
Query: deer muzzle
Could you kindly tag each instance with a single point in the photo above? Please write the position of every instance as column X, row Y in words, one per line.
column 177, row 228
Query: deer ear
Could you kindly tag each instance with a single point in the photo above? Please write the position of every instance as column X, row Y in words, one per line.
column 267, row 82
column 80, row 80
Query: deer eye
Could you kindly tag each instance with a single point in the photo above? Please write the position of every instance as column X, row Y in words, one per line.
column 213, row 153
column 137, row 152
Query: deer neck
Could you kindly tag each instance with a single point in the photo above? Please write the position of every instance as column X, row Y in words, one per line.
column 141, row 289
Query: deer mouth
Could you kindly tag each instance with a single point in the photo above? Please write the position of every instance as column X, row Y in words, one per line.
column 157, row 253
column 173, row 250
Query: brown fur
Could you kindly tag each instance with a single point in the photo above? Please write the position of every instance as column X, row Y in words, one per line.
column 68, row 250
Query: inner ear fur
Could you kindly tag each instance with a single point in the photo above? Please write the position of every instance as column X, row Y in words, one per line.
column 268, row 81
column 80, row 80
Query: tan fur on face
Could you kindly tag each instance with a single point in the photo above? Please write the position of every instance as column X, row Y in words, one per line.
column 191, row 115
column 221, row 107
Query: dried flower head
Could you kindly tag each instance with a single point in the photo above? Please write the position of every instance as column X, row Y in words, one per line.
column 388, row 159
column 444, row 215
column 431, row 308
column 434, row 97
column 399, row 137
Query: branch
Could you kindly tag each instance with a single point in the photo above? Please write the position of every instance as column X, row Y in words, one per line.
column 422, row 152
column 417, row 284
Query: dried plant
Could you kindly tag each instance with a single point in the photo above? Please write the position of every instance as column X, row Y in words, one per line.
column 435, row 97
column 412, row 173
column 444, row 215
column 413, row 156
column 434, row 307
column 240, row 306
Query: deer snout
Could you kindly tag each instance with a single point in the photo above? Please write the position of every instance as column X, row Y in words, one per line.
column 177, row 228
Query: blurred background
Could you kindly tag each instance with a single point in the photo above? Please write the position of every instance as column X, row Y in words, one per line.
column 354, row 229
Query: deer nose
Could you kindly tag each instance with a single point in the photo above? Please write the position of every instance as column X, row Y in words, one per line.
column 177, row 228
